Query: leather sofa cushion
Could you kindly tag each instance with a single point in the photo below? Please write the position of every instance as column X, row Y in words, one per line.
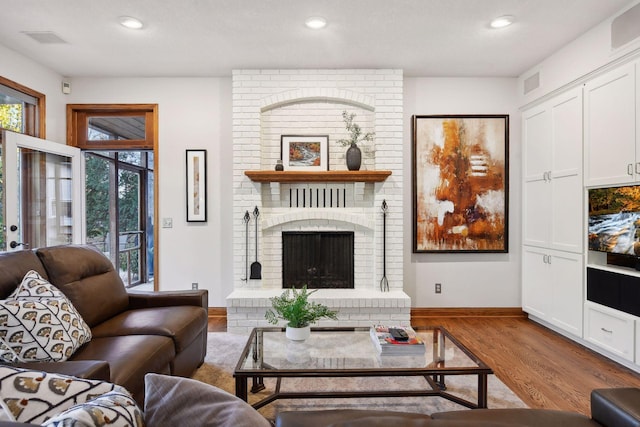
column 88, row 279
column 616, row 406
column 342, row 417
column 14, row 266
column 130, row 358
column 183, row 323
column 89, row 369
column 520, row 416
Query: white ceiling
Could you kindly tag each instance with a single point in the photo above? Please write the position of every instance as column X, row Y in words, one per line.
column 212, row 37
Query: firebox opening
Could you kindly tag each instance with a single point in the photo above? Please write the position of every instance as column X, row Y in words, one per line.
column 318, row 259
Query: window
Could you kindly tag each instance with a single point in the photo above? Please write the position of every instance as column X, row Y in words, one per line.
column 119, row 141
column 112, row 126
column 22, row 110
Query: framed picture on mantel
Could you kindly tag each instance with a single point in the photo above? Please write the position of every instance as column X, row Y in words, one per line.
column 460, row 183
column 305, row 152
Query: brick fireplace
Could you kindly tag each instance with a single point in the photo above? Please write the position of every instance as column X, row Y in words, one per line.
column 271, row 103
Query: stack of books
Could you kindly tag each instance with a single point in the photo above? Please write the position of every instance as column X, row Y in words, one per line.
column 387, row 345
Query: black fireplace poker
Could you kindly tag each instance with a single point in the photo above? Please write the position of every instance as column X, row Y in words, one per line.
column 246, row 219
column 384, row 283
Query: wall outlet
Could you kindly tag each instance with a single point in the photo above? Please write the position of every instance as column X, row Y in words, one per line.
column 438, row 288
column 194, row 286
column 167, row 222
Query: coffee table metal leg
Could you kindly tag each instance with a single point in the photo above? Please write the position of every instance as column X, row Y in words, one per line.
column 241, row 387
column 258, row 384
column 482, row 390
column 439, row 381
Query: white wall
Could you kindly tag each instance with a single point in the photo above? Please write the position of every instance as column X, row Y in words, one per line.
column 468, row 280
column 194, row 113
column 18, row 68
column 583, row 56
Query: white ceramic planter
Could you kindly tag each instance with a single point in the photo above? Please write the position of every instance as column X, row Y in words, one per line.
column 298, row 334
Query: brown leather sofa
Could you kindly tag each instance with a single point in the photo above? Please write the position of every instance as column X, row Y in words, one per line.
column 133, row 333
column 615, row 407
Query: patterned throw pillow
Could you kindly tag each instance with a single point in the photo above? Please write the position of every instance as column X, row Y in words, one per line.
column 111, row 409
column 39, row 323
column 30, row 396
column 34, row 286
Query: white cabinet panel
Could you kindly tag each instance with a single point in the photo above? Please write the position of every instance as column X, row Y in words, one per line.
column 610, row 330
column 552, row 287
column 552, row 199
column 610, row 128
column 536, row 283
column 567, row 286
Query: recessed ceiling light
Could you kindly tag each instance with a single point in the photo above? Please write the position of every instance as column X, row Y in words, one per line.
column 316, row 22
column 502, row 21
column 130, row 22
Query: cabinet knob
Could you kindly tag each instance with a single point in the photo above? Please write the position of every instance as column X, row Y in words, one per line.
column 630, row 169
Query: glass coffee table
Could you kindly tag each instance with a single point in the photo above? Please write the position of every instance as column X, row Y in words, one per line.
column 350, row 352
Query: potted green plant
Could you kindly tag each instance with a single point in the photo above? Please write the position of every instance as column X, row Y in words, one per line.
column 294, row 307
column 354, row 155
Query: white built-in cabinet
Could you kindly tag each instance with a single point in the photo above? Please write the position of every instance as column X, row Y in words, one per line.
column 600, row 118
column 553, row 214
column 552, row 287
column 612, row 144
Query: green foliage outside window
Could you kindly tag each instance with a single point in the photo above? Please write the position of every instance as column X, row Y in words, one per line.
column 2, row 241
column 11, row 117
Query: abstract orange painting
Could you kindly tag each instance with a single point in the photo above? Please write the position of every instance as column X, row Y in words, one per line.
column 460, row 183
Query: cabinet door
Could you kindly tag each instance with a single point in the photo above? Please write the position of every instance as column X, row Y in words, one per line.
column 567, row 295
column 536, row 126
column 536, row 284
column 610, row 128
column 566, row 172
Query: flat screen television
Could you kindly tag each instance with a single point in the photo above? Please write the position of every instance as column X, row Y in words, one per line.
column 614, row 220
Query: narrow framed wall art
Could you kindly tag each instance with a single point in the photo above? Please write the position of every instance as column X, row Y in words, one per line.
column 196, row 185
column 460, row 183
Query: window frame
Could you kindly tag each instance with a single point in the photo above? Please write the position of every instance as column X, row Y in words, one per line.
column 34, row 115
column 78, row 116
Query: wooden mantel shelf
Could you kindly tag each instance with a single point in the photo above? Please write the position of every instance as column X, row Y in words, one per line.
column 321, row 176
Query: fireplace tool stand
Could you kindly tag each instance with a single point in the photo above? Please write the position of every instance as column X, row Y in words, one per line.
column 246, row 219
column 384, row 283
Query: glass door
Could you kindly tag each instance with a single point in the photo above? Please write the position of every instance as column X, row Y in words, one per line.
column 40, row 192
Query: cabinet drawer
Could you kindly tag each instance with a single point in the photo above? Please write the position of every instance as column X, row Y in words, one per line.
column 611, row 330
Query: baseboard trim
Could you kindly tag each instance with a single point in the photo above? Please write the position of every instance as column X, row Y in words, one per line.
column 217, row 312
column 424, row 312
column 220, row 313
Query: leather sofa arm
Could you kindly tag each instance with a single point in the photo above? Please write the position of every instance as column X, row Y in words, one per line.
column 199, row 298
column 88, row 369
column 619, row 407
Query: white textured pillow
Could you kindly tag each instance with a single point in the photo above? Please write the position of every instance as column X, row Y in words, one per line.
column 39, row 323
column 114, row 409
column 174, row 401
column 31, row 396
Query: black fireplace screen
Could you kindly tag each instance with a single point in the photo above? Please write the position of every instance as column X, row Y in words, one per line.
column 317, row 259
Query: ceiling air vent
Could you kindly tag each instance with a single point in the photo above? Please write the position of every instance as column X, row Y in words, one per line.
column 45, row 37
column 625, row 27
column 531, row 83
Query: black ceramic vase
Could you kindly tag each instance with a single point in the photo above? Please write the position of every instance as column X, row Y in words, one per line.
column 354, row 157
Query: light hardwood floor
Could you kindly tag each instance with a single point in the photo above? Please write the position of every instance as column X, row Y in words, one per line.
column 545, row 369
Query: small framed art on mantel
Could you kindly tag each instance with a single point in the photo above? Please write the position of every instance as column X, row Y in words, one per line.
column 196, row 185
column 305, row 152
column 460, row 183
